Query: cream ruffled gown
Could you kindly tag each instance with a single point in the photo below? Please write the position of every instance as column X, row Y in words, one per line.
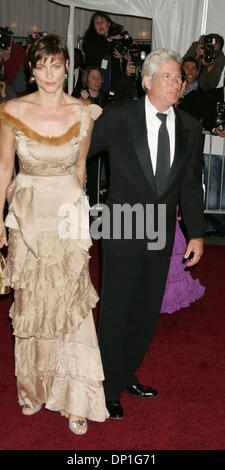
column 57, row 359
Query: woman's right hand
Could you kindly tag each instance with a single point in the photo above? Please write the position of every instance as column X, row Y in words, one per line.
column 84, row 94
column 112, row 38
column 130, row 68
column 3, row 237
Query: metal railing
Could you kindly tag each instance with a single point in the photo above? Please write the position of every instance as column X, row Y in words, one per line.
column 213, row 179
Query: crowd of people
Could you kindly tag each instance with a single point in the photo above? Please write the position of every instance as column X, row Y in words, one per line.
column 151, row 138
column 104, row 73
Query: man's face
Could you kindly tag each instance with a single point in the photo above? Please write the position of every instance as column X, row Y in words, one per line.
column 164, row 89
column 5, row 54
column 190, row 71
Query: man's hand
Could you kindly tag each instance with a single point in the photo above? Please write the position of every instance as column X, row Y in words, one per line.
column 199, row 51
column 218, row 132
column 2, row 89
column 209, row 65
column 195, row 247
column 117, row 54
column 130, row 69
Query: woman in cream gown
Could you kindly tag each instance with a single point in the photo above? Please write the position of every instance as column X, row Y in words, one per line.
column 57, row 359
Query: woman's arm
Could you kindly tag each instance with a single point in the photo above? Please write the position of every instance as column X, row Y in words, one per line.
column 7, row 155
column 84, row 147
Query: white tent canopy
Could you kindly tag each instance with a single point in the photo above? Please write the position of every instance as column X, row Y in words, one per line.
column 175, row 23
column 168, row 16
column 167, row 19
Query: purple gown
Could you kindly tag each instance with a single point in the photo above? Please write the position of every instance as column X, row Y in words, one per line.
column 181, row 289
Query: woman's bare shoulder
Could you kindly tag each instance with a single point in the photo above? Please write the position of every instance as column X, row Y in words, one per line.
column 71, row 100
column 11, row 106
column 74, row 106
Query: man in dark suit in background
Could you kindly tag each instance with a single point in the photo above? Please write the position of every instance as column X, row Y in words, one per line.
column 194, row 100
column 152, row 163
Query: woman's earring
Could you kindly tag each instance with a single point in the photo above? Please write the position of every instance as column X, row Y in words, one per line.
column 66, row 76
column 32, row 79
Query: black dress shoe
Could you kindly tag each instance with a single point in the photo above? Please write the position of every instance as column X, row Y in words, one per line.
column 141, row 391
column 115, row 409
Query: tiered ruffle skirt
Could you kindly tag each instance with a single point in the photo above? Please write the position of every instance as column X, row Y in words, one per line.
column 57, row 358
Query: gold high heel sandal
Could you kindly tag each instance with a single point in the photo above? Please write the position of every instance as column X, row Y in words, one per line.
column 77, row 425
column 29, row 410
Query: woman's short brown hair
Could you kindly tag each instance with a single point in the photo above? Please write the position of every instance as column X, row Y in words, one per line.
column 47, row 46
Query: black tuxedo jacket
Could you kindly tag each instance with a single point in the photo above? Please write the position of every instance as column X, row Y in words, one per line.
column 196, row 103
column 121, row 129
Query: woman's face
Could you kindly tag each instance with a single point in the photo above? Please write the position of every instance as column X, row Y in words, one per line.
column 94, row 81
column 50, row 74
column 101, row 26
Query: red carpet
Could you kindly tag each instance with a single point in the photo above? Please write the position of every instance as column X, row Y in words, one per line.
column 185, row 363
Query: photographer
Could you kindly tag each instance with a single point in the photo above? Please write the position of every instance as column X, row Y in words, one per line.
column 12, row 58
column 210, row 57
column 214, row 150
column 105, row 45
column 193, row 99
column 131, row 82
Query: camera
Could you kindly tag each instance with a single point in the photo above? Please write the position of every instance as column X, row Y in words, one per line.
column 220, row 115
column 5, row 38
column 123, row 43
column 137, row 57
column 208, row 43
column 35, row 35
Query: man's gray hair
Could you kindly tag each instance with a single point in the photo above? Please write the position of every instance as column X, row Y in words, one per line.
column 150, row 66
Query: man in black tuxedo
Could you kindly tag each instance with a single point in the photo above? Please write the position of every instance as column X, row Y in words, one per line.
column 144, row 173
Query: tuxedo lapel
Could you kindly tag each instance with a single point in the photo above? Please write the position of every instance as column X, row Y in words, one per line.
column 181, row 136
column 138, row 128
column 137, row 125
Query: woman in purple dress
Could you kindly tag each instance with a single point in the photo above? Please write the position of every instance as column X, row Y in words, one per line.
column 181, row 289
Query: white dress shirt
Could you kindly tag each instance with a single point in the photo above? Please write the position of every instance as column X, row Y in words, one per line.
column 153, row 124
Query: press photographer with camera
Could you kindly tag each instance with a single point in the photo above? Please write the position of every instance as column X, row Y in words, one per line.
column 210, row 57
column 131, row 81
column 12, row 58
column 105, row 45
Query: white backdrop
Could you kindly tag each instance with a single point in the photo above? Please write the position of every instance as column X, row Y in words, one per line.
column 176, row 23
column 34, row 15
